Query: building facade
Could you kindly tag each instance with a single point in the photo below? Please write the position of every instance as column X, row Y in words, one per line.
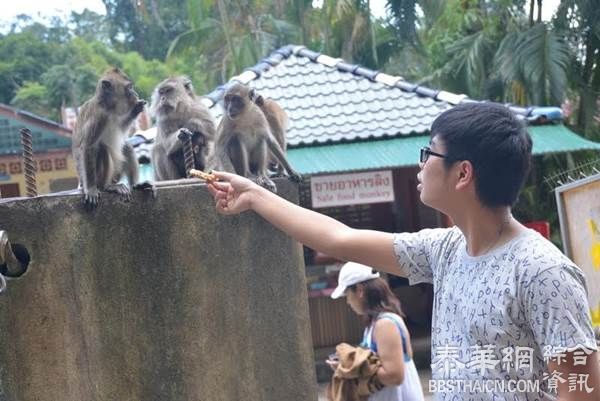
column 52, row 153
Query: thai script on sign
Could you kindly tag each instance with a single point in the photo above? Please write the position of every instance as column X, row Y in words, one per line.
column 352, row 189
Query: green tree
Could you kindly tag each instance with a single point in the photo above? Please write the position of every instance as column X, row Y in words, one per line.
column 578, row 19
column 534, row 62
column 404, row 20
column 350, row 32
column 492, row 53
column 229, row 37
column 43, row 72
column 145, row 26
column 25, row 57
column 90, row 26
column 59, row 83
column 33, row 97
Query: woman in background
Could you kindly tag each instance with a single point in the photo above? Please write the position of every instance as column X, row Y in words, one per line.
column 386, row 335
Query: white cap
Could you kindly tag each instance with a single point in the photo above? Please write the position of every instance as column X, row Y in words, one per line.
column 350, row 274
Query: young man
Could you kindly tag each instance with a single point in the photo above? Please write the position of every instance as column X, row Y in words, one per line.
column 511, row 318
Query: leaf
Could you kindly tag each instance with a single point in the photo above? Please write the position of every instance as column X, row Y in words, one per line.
column 543, row 57
column 470, row 55
column 404, row 14
column 194, row 37
column 538, row 58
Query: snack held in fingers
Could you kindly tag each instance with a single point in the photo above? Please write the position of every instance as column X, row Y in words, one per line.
column 208, row 177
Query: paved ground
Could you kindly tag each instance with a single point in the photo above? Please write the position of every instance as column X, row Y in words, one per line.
column 424, row 375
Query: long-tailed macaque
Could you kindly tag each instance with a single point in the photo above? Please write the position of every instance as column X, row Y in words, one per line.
column 101, row 154
column 177, row 108
column 278, row 123
column 244, row 139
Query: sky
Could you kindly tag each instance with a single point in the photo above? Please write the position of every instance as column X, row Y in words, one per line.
column 548, row 8
column 46, row 8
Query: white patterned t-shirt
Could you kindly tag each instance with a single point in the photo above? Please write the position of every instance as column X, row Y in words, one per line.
column 499, row 317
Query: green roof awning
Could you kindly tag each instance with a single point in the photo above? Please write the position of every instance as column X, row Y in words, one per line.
column 558, row 138
column 404, row 152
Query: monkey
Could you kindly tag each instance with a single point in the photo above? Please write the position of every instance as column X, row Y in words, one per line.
column 179, row 112
column 244, row 139
column 100, row 152
column 278, row 123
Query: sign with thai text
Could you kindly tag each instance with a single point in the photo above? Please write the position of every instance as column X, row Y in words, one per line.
column 352, row 189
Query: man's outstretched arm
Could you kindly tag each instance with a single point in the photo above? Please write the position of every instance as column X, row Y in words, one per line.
column 234, row 194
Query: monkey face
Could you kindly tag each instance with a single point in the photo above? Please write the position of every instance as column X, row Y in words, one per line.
column 235, row 98
column 166, row 99
column 234, row 104
column 116, row 92
column 170, row 93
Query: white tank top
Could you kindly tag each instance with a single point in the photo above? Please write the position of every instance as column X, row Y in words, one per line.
column 410, row 389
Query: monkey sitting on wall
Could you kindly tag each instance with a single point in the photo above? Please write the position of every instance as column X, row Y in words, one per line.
column 278, row 123
column 101, row 154
column 244, row 139
column 178, row 111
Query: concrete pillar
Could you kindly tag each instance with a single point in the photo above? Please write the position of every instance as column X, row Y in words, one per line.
column 158, row 299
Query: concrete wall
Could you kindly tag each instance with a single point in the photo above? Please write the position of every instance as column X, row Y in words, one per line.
column 157, row 299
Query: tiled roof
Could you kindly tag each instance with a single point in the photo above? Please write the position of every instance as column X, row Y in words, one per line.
column 331, row 101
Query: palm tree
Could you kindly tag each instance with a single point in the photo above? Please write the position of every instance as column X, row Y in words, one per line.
column 496, row 55
column 534, row 62
column 230, row 36
column 346, row 29
column 579, row 20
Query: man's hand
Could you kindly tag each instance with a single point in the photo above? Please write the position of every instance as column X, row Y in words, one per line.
column 232, row 193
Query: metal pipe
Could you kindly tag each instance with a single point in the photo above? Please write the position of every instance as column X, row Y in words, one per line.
column 185, row 136
column 30, row 184
column 10, row 264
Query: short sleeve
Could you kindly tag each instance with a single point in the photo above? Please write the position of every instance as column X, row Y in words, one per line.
column 420, row 253
column 556, row 306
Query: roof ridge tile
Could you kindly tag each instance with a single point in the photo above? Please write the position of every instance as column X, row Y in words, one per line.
column 427, row 92
column 367, row 73
column 406, row 86
column 347, row 67
column 310, row 54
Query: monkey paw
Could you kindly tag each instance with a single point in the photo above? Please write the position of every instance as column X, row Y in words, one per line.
column 198, row 140
column 267, row 183
column 139, row 107
column 90, row 198
column 120, row 189
column 184, row 134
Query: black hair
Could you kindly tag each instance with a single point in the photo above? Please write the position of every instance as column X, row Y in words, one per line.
column 378, row 298
column 496, row 143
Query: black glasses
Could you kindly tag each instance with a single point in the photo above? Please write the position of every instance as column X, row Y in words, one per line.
column 426, row 152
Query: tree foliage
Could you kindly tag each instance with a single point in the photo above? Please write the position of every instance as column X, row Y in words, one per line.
column 578, row 20
column 42, row 74
column 487, row 49
column 145, row 26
